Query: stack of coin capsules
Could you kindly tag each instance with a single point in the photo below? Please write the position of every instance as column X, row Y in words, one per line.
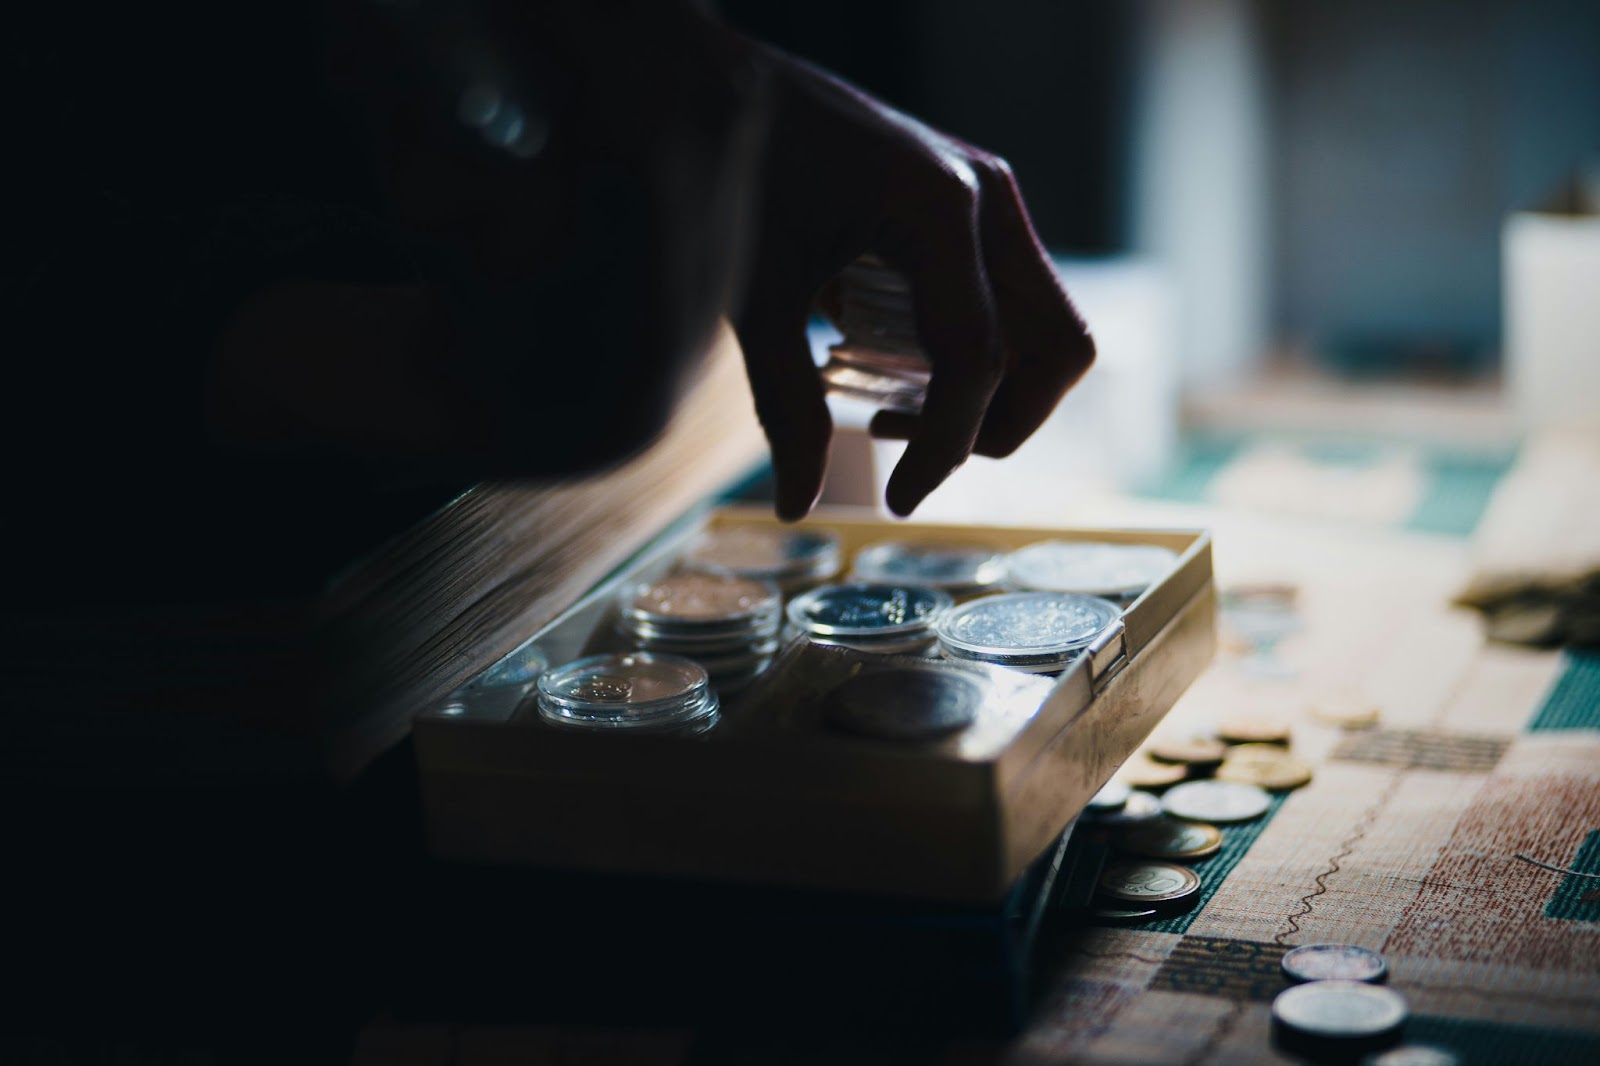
column 879, row 360
column 729, row 625
column 1035, row 632
column 886, row 618
column 633, row 691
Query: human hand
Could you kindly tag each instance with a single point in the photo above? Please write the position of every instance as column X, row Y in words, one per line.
column 844, row 175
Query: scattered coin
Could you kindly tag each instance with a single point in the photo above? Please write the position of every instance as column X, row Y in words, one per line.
column 1215, row 801
column 1141, row 807
column 1113, row 797
column 1345, row 708
column 1340, row 1010
column 1414, row 1055
column 1167, row 839
column 1140, row 771
column 1116, row 916
column 1334, row 962
column 1191, row 751
column 1148, row 882
column 1266, row 765
column 1254, row 729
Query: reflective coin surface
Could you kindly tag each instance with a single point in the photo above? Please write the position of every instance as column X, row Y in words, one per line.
column 867, row 610
column 905, row 703
column 1334, row 962
column 701, row 598
column 1164, row 838
column 1139, row 807
column 1340, row 1009
column 946, row 566
column 1148, row 882
column 1113, row 797
column 1026, row 623
column 774, row 554
column 1215, row 801
column 1088, row 567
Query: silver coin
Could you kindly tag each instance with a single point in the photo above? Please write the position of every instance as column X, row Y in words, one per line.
column 1089, row 567
column 1031, row 624
column 1148, row 882
column 771, row 554
column 1215, row 801
column 946, row 566
column 905, row 703
column 1140, row 807
column 1414, row 1055
column 1112, row 797
column 867, row 610
column 1334, row 962
column 1346, row 1010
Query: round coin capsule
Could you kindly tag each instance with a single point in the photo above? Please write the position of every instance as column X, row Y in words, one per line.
column 1092, row 568
column 636, row 690
column 867, row 610
column 786, row 556
column 1148, row 882
column 1334, row 962
column 942, row 566
column 1215, row 801
column 1164, row 838
column 699, row 600
column 905, row 703
column 1340, row 1010
column 1025, row 629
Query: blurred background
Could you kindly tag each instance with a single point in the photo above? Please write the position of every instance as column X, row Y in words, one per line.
column 1339, row 257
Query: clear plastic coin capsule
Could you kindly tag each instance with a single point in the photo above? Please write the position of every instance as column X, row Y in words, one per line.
column 956, row 568
column 1089, row 568
column 870, row 617
column 640, row 691
column 791, row 559
column 1037, row 632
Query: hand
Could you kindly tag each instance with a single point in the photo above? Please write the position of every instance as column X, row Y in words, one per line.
column 845, row 174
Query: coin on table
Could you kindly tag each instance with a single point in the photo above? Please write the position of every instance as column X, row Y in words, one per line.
column 1345, row 708
column 1266, row 765
column 1414, row 1055
column 1340, row 1010
column 1167, row 839
column 1140, row 807
column 1254, row 729
column 1191, row 751
column 1113, row 797
column 1334, row 962
column 1140, row 771
column 1148, row 882
column 1216, row 801
column 1118, row 916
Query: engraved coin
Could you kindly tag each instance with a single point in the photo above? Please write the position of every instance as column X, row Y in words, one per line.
column 1191, row 751
column 1254, row 729
column 905, row 703
column 946, row 566
column 1140, row 807
column 1025, row 624
column 1340, row 1009
column 1113, row 797
column 1148, row 882
column 1168, row 839
column 1334, row 962
column 1140, row 771
column 1265, row 765
column 1089, row 567
column 1215, row 801
column 1414, row 1055
column 867, row 610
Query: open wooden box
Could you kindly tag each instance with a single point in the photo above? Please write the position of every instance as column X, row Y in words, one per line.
column 771, row 797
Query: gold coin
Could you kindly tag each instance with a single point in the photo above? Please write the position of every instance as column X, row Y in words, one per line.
column 1345, row 708
column 1141, row 771
column 1265, row 765
column 1191, row 751
column 1254, row 729
column 1166, row 838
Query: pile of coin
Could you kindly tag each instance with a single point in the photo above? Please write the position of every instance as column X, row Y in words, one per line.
column 792, row 559
column 879, row 359
column 1336, row 1009
column 963, row 570
column 885, row 618
column 729, row 625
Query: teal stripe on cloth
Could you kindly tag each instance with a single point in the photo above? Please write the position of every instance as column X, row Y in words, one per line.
column 1577, row 899
column 1199, row 460
column 1457, row 492
column 1574, row 700
column 1236, row 840
column 1478, row 1043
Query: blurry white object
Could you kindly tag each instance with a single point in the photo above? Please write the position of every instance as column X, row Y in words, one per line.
column 1551, row 283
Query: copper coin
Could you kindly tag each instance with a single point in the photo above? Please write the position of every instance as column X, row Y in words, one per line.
column 1254, row 729
column 1191, row 751
column 1265, row 765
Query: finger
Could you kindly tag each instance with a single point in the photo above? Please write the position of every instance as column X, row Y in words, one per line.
column 790, row 404
column 1049, row 344
column 893, row 425
column 956, row 325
